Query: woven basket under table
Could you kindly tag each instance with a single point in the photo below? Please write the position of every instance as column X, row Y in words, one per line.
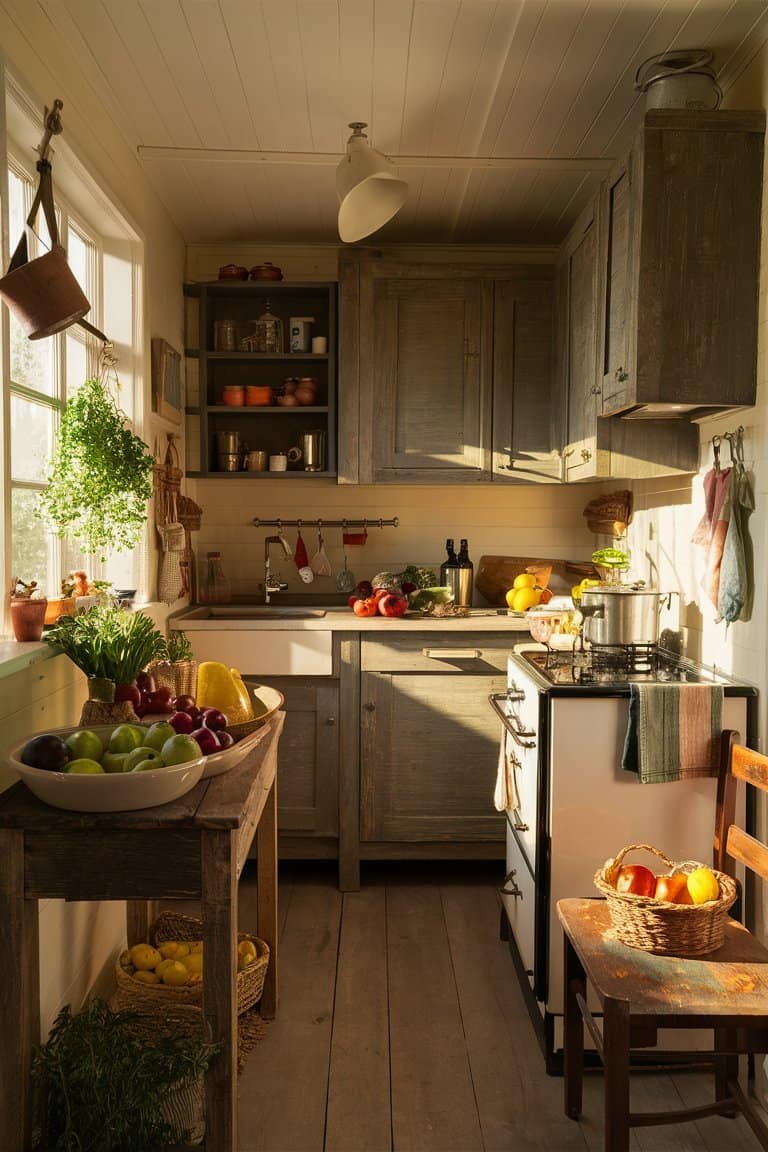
column 661, row 927
column 161, row 999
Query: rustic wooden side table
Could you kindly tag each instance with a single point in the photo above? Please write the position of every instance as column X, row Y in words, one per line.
column 47, row 853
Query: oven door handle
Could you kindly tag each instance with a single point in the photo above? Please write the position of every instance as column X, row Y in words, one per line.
column 520, row 735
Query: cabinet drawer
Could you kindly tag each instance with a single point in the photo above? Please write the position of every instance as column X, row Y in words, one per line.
column 432, row 652
column 518, row 895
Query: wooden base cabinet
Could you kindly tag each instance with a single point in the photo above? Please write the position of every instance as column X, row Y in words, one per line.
column 429, row 743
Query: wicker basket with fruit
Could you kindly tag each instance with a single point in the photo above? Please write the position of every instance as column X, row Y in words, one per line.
column 682, row 912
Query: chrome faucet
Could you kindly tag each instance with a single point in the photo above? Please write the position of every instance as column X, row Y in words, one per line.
column 274, row 583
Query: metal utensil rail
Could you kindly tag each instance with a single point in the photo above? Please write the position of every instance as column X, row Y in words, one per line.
column 376, row 522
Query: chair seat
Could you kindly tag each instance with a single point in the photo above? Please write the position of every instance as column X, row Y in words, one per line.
column 733, row 981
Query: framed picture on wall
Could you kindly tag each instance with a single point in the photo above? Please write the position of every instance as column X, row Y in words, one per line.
column 166, row 381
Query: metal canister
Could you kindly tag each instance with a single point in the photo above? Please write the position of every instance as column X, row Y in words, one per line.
column 460, row 581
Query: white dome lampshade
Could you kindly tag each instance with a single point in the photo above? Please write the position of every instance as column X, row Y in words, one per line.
column 369, row 192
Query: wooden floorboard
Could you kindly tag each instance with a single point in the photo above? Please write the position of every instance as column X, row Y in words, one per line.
column 402, row 1028
column 359, row 1111
column 433, row 1101
column 284, row 1087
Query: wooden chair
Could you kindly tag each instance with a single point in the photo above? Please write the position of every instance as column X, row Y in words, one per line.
column 640, row 992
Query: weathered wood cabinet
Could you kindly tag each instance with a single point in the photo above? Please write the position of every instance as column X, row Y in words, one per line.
column 597, row 446
column 446, row 372
column 679, row 265
column 429, row 741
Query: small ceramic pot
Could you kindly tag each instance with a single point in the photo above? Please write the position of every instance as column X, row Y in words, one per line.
column 233, row 272
column 258, row 395
column 27, row 618
column 266, row 271
column 233, row 397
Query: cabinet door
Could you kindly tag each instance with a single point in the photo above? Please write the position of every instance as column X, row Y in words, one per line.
column 527, row 397
column 580, row 321
column 616, row 320
column 430, row 405
column 429, row 750
column 307, row 767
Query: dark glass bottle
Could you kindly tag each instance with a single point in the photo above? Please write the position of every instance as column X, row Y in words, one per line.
column 448, row 566
column 466, row 575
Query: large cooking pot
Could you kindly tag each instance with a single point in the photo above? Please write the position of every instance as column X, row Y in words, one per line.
column 621, row 615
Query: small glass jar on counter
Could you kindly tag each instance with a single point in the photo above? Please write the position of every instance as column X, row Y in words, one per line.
column 213, row 586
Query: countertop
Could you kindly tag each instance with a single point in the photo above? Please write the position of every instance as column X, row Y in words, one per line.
column 344, row 620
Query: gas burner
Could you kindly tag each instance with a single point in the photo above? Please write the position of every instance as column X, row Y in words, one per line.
column 618, row 664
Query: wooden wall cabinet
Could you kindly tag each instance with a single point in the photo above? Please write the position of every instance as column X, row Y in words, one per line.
column 597, row 446
column 446, row 372
column 679, row 265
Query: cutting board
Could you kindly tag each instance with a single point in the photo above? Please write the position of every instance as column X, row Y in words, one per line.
column 495, row 574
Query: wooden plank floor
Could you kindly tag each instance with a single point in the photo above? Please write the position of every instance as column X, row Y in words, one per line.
column 401, row 1028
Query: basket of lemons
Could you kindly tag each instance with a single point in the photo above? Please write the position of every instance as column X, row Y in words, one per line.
column 167, row 971
column 680, row 912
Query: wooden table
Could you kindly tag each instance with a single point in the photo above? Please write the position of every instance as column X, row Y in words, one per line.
column 47, row 853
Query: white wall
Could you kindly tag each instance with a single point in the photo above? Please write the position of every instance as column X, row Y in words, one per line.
column 79, row 941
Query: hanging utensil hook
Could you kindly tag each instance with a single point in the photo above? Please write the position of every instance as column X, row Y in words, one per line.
column 716, row 452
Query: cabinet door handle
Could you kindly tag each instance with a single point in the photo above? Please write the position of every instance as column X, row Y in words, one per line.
column 451, row 653
column 510, row 886
column 519, row 827
column 621, row 375
column 330, row 719
column 586, row 454
column 369, row 707
column 595, row 390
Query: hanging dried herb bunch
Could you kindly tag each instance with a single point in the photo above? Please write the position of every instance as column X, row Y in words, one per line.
column 101, row 475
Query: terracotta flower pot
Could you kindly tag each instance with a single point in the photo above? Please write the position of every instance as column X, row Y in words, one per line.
column 27, row 617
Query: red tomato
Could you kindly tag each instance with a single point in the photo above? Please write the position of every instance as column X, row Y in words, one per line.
column 364, row 607
column 393, row 605
column 353, row 599
column 636, row 879
column 674, row 889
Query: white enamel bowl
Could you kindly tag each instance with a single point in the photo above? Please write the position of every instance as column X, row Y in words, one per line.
column 111, row 791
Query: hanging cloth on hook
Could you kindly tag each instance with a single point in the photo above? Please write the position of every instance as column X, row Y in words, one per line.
column 711, row 531
column 735, row 594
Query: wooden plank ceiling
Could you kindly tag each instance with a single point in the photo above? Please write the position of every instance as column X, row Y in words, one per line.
column 497, row 78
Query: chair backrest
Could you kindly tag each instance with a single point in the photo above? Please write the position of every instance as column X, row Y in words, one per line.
column 731, row 842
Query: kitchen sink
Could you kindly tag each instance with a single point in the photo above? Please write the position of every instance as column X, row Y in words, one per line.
column 262, row 612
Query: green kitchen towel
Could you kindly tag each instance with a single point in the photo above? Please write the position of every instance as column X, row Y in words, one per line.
column 673, row 731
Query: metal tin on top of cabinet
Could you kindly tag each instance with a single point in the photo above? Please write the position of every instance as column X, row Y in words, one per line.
column 680, row 251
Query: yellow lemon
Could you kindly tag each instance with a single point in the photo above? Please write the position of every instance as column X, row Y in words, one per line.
column 144, row 957
column 173, row 949
column 524, row 580
column 196, row 946
column 175, row 974
column 525, row 598
column 146, row 977
column 195, row 978
column 243, row 962
column 703, row 885
column 193, row 963
column 163, row 965
column 247, row 948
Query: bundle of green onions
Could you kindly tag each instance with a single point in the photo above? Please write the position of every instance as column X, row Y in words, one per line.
column 109, row 643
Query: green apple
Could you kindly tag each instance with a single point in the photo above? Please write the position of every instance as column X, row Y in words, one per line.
column 126, row 737
column 139, row 755
column 84, row 744
column 157, row 734
column 84, row 765
column 148, row 764
column 179, row 749
column 114, row 761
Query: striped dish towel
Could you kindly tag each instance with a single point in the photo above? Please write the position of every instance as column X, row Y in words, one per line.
column 673, row 731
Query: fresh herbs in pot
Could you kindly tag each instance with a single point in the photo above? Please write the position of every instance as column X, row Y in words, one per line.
column 179, row 647
column 109, row 643
column 101, row 475
column 104, row 1081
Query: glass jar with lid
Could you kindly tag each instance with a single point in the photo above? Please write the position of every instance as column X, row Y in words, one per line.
column 267, row 335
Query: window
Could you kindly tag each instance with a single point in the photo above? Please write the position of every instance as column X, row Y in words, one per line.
column 38, row 376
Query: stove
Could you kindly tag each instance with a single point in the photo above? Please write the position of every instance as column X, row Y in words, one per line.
column 616, row 667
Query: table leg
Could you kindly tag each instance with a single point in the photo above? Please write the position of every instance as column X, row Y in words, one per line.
column 139, row 915
column 19, row 995
column 219, row 915
column 267, row 897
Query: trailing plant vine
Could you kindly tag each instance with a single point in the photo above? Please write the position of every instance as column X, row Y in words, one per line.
column 101, row 474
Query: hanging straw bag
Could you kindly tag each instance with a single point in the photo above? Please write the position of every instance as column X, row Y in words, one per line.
column 43, row 293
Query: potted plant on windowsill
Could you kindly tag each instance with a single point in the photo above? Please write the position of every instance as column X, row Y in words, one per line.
column 111, row 646
column 27, row 610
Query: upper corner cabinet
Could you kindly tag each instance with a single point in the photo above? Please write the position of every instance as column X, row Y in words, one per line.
column 679, row 264
column 257, row 376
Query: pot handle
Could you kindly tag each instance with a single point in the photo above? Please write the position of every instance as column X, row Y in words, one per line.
column 665, row 600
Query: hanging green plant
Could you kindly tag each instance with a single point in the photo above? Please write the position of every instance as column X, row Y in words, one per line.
column 101, row 475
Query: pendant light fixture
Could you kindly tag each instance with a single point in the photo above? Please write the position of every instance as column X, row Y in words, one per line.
column 369, row 192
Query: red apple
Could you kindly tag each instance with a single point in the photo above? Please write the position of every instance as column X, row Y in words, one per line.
column 393, row 605
column 352, row 600
column 225, row 739
column 206, row 739
column 197, row 716
column 182, row 722
column 214, row 719
column 185, row 703
column 158, row 702
column 128, row 692
column 636, row 879
column 163, row 693
column 365, row 589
